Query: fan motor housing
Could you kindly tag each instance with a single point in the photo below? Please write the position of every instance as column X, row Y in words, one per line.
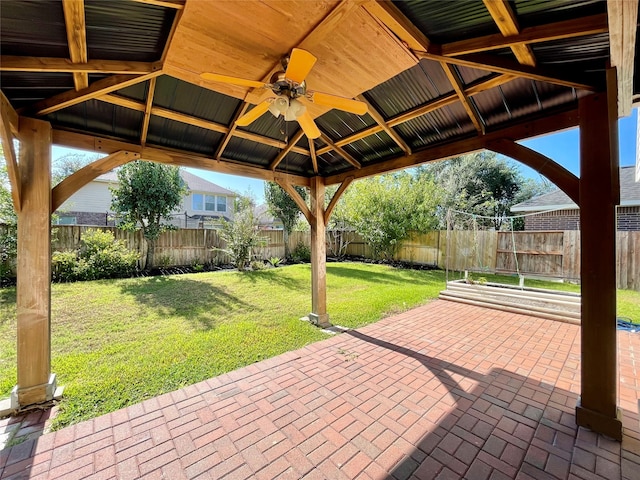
column 281, row 85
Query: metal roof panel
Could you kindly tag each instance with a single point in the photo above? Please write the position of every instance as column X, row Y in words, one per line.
column 181, row 136
column 125, row 30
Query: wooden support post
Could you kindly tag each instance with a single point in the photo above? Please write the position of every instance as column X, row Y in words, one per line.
column 318, row 313
column 36, row 384
column 598, row 168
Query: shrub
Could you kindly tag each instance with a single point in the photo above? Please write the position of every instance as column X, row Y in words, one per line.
column 301, row 253
column 100, row 256
column 8, row 249
column 64, row 266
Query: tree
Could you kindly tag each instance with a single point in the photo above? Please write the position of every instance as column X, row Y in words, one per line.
column 385, row 209
column 281, row 205
column 146, row 194
column 68, row 164
column 242, row 235
column 480, row 184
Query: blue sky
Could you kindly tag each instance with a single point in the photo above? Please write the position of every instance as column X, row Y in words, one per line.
column 562, row 147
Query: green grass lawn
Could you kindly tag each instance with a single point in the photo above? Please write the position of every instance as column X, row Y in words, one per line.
column 117, row 342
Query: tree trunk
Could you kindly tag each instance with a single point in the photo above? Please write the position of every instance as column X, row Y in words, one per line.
column 151, row 247
column 287, row 251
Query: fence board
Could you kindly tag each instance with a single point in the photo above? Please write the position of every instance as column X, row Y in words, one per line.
column 541, row 253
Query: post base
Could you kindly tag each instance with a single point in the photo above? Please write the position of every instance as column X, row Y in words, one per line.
column 599, row 423
column 321, row 321
column 23, row 397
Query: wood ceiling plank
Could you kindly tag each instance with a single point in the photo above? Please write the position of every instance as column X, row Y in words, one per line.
column 340, row 151
column 147, row 111
column 122, row 102
column 284, row 152
column 505, row 19
column 95, row 90
column 76, row 38
column 525, row 129
column 379, row 119
column 171, row 157
column 395, row 21
column 458, row 87
column 10, row 63
column 576, row 27
column 218, row 37
column 623, row 18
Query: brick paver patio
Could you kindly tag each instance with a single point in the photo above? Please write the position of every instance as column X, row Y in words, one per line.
column 443, row 391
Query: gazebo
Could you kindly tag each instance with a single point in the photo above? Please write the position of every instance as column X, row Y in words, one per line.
column 430, row 80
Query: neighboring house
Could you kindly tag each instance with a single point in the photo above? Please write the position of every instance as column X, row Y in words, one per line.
column 558, row 212
column 265, row 220
column 204, row 206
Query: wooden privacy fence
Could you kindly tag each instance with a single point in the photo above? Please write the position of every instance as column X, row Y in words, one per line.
column 546, row 254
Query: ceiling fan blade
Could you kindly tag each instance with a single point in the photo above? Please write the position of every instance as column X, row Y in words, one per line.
column 300, row 64
column 214, row 77
column 333, row 101
column 253, row 114
column 309, row 127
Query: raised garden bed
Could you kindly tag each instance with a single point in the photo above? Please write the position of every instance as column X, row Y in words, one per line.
column 538, row 302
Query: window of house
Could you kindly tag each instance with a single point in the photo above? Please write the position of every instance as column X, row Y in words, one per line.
column 66, row 220
column 197, row 201
column 208, row 203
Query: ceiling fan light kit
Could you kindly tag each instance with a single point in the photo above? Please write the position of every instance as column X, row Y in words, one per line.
column 290, row 88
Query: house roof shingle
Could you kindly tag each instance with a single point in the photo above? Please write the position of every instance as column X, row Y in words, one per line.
column 194, row 183
column 558, row 200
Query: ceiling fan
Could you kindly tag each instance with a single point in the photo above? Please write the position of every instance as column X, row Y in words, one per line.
column 290, row 90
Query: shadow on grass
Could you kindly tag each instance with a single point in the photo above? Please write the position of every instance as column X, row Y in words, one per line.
column 395, row 276
column 274, row 276
column 202, row 304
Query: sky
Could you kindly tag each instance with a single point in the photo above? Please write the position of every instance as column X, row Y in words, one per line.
column 562, row 147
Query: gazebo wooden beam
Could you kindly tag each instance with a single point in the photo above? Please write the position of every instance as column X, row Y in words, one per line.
column 560, row 176
column 336, row 196
column 171, row 157
column 339, row 150
column 74, row 182
column 295, row 196
column 285, row 151
column 177, row 4
column 491, row 63
column 147, row 111
column 242, row 109
column 93, row 91
column 10, row 63
column 527, row 129
column 435, row 104
column 198, row 122
column 379, row 119
column 623, row 20
column 8, row 116
column 456, row 82
column 505, row 19
column 76, row 38
column 577, row 27
column 312, row 154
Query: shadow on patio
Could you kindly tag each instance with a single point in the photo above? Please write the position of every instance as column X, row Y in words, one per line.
column 441, row 391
